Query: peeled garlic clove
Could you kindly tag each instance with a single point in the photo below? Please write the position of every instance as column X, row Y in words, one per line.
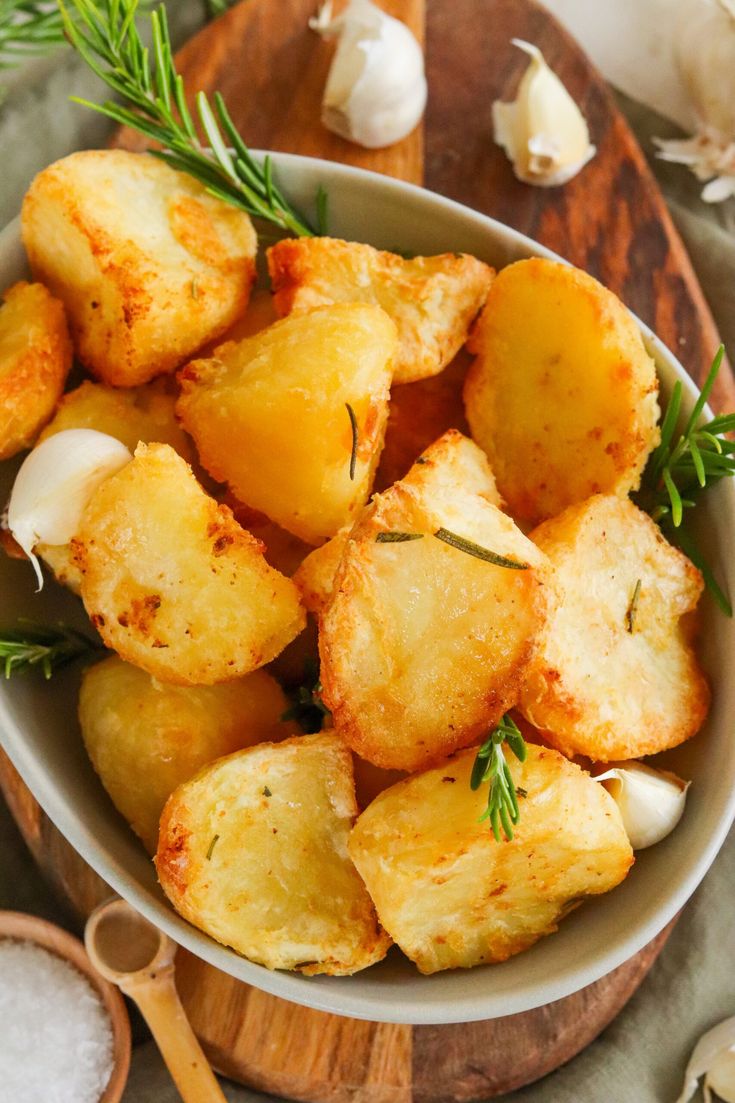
column 54, row 485
column 376, row 88
column 712, row 1058
column 651, row 802
column 543, row 131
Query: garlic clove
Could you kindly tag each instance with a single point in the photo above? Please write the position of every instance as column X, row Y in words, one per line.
column 542, row 131
column 376, row 88
column 651, row 802
column 714, row 1059
column 54, row 485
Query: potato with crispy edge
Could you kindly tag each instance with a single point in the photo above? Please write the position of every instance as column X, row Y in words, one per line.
column 270, row 415
column 315, row 577
column 432, row 300
column 450, row 895
column 424, row 646
column 35, row 358
column 253, row 851
column 145, row 738
column 171, row 581
column 615, row 675
column 563, row 394
column 148, row 265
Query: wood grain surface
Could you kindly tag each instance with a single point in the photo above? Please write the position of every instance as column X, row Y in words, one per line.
column 610, row 220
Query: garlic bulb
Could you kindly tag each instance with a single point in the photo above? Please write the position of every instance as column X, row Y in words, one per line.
column 376, row 88
column 651, row 802
column 705, row 52
column 543, row 131
column 55, row 483
column 714, row 1058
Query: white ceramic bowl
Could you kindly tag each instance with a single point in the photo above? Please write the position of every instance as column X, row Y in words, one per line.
column 39, row 730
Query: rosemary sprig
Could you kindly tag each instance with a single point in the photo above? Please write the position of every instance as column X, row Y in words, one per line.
column 28, row 28
column 630, row 613
column 491, row 765
column 154, row 103
column 683, row 466
column 307, row 708
column 29, row 645
column 469, row 546
column 355, row 439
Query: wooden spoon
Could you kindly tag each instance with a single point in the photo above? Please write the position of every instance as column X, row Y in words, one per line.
column 129, row 951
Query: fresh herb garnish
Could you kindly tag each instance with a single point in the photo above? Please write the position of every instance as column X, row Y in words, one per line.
column 154, row 103
column 267, row 792
column 355, row 440
column 632, row 608
column 683, row 466
column 468, row 546
column 397, row 537
column 29, row 645
column 491, row 765
column 307, row 707
column 28, row 28
column 211, row 847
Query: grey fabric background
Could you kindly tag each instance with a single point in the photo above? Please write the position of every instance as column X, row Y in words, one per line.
column 640, row 1058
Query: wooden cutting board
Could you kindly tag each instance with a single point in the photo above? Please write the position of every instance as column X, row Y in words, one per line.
column 610, row 220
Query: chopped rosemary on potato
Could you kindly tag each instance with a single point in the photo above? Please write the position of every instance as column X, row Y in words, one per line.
column 355, row 440
column 29, row 645
column 681, row 468
column 468, row 546
column 491, row 765
column 633, row 607
column 397, row 537
column 211, row 847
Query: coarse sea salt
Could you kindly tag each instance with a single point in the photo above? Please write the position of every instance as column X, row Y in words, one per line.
column 55, row 1034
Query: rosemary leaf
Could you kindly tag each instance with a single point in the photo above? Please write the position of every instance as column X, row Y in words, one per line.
column 490, row 765
column 212, row 845
column 397, row 537
column 50, row 648
column 632, row 609
column 468, row 546
column 355, row 440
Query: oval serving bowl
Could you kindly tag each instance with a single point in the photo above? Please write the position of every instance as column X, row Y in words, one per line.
column 39, row 731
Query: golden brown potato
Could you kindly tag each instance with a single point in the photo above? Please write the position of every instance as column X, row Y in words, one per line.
column 269, row 415
column 424, row 646
column 253, row 850
column 145, row 738
column 315, row 577
column 450, row 895
column 615, row 675
column 35, row 357
column 562, row 395
column 149, row 266
column 131, row 415
column 432, row 300
column 172, row 583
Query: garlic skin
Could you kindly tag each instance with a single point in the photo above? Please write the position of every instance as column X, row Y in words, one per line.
column 376, row 88
column 705, row 54
column 651, row 802
column 714, row 1058
column 543, row 131
column 54, row 485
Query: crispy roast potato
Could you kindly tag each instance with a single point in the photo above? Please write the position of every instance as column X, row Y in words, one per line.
column 35, row 358
column 432, row 300
column 171, row 581
column 615, row 675
column 269, row 415
column 253, row 850
column 315, row 577
column 450, row 895
column 424, row 646
column 145, row 738
column 149, row 266
column 562, row 395
column 131, row 415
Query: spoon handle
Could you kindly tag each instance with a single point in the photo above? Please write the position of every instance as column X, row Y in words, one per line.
column 159, row 1003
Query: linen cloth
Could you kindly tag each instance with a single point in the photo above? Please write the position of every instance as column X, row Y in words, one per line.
column 641, row 1056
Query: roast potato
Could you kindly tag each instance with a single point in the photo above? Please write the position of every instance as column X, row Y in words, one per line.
column 35, row 358
column 253, row 850
column 450, row 895
column 148, row 265
column 432, row 300
column 424, row 646
column 615, row 675
column 171, row 581
column 145, row 738
column 270, row 415
column 562, row 395
column 315, row 577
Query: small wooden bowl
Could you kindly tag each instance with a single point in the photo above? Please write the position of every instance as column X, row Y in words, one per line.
column 29, row 928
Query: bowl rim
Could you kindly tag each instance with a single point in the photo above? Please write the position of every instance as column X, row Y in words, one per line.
column 291, row 986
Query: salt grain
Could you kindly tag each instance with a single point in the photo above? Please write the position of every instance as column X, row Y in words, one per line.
column 55, row 1034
